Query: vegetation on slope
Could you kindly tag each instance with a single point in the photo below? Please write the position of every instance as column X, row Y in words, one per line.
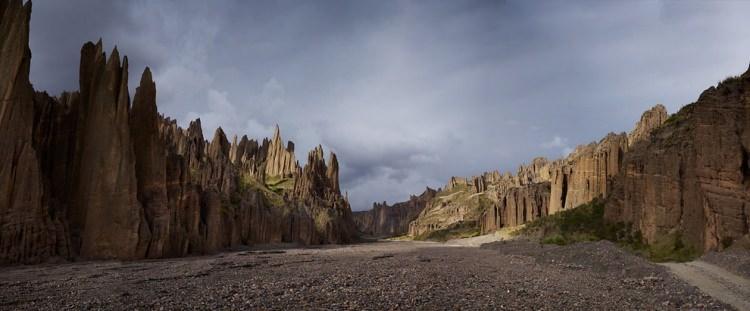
column 586, row 223
column 279, row 184
column 272, row 196
column 459, row 230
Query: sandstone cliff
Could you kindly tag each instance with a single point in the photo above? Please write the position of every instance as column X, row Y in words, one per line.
column 385, row 220
column 685, row 176
column 492, row 200
column 691, row 177
column 489, row 201
column 87, row 175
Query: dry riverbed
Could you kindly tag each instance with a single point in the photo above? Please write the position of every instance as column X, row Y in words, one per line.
column 406, row 275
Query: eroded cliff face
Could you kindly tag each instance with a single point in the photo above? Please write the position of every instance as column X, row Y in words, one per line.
column 492, row 200
column 24, row 220
column 691, row 176
column 385, row 220
column 585, row 174
column 87, row 175
column 489, row 201
column 686, row 175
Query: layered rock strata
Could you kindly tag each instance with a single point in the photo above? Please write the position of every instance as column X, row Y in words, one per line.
column 87, row 175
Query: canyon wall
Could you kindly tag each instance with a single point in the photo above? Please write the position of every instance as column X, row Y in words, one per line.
column 492, row 200
column 691, row 177
column 385, row 220
column 87, row 175
column 684, row 175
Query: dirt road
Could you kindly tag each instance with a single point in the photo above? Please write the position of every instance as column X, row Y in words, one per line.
column 723, row 285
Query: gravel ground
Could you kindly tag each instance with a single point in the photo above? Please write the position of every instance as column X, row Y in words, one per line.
column 385, row 275
column 736, row 260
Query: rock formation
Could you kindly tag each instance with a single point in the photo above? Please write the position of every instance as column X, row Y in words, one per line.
column 650, row 120
column 24, row 221
column 280, row 160
column 691, row 177
column 385, row 220
column 493, row 200
column 586, row 172
column 686, row 175
column 85, row 175
column 490, row 201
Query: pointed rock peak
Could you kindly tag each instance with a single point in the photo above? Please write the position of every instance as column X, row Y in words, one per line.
column 144, row 101
column 195, row 129
column 146, row 76
column 332, row 160
column 276, row 133
column 88, row 46
column 219, row 145
column 220, row 134
column 125, row 63
column 114, row 59
column 319, row 152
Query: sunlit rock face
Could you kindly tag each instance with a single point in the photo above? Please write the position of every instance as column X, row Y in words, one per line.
column 493, row 200
column 687, row 174
column 88, row 174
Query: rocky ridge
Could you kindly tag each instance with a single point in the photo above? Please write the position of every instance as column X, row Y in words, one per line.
column 88, row 175
column 683, row 176
column 385, row 220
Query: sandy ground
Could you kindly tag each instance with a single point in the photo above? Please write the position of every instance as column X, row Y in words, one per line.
column 374, row 276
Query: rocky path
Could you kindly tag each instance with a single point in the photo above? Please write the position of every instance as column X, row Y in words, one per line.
column 715, row 281
column 513, row 275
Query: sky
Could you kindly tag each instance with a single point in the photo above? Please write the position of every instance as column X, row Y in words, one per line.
column 407, row 93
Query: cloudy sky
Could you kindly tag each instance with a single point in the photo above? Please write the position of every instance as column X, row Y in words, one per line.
column 407, row 93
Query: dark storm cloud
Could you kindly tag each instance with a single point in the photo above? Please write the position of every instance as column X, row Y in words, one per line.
column 408, row 93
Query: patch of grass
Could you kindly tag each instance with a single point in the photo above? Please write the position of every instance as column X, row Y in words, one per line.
column 454, row 190
column 586, row 223
column 670, row 248
column 279, row 184
column 458, row 230
column 680, row 115
column 248, row 183
column 728, row 79
column 400, row 238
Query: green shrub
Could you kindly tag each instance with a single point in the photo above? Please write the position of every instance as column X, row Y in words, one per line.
column 458, row 230
column 586, row 223
column 670, row 247
column 554, row 239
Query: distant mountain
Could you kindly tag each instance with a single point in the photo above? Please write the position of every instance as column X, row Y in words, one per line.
column 385, row 220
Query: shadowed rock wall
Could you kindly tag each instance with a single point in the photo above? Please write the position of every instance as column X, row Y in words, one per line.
column 87, row 175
